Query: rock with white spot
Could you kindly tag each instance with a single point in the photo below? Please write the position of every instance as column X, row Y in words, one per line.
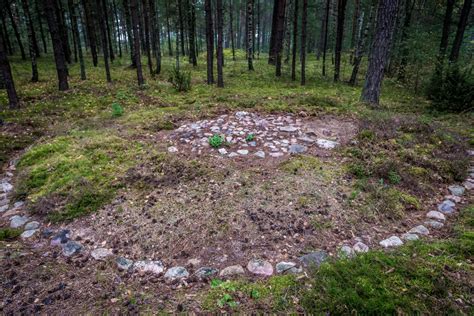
column 393, row 241
column 5, row 187
column 288, row 129
column 434, row 224
column 260, row 267
column 71, row 248
column 32, row 225
column 297, row 149
column 326, row 143
column 205, row 272
column 176, row 273
column 306, row 139
column 446, row 207
column 468, row 185
column 18, row 221
column 232, row 155
column 314, row 258
column 420, row 230
column 287, row 267
column 231, row 271
column 276, row 154
column 124, row 263
column 436, row 215
column 149, row 266
column 456, row 190
column 241, row 114
column 172, row 149
column 101, row 253
column 222, row 151
column 243, row 152
column 454, row 198
column 346, row 252
column 18, row 204
column 260, row 154
column 3, row 208
column 61, row 238
column 28, row 233
column 410, row 237
column 360, row 247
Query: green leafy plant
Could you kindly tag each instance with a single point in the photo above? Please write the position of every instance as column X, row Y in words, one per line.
column 250, row 137
column 227, row 300
column 117, row 109
column 394, row 177
column 9, row 233
column 216, row 141
column 180, row 80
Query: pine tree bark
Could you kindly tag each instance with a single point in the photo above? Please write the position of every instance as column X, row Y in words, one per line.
column 31, row 41
column 105, row 9
column 146, row 23
column 443, row 46
column 325, row 40
column 304, row 22
column 259, row 30
column 192, row 31
column 355, row 20
column 386, row 14
column 271, row 53
column 460, row 31
column 6, row 39
column 209, row 41
column 31, row 28
column 231, row 29
column 117, row 27
column 40, row 23
column 155, row 36
column 49, row 8
column 220, row 39
column 295, row 41
column 63, row 30
column 341, row 11
column 250, row 34
column 168, row 29
column 279, row 35
column 6, row 75
column 409, row 6
column 75, row 30
column 103, row 35
column 131, row 40
column 136, row 40
column 15, row 30
column 90, row 27
column 181, row 26
column 361, row 43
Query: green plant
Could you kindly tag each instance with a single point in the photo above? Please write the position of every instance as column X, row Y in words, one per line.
column 250, row 137
column 216, row 141
column 181, row 80
column 9, row 233
column 117, row 109
column 394, row 177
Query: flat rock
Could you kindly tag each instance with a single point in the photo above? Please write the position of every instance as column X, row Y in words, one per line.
column 3, row 208
column 124, row 263
column 260, row 267
column 393, row 241
column 314, row 258
column 360, row 247
column 468, row 185
column 420, row 230
column 276, row 154
column 28, row 233
column 232, row 270
column 326, row 143
column 436, row 215
column 18, row 221
column 149, row 266
column 297, row 149
column 456, row 190
column 101, row 253
column 205, row 272
column 18, row 204
column 32, row 225
column 71, row 248
column 61, row 238
column 222, row 151
column 260, row 154
column 446, row 207
column 288, row 129
column 172, row 149
column 434, row 224
column 410, row 237
column 454, row 198
column 232, row 155
column 5, row 187
column 287, row 267
column 176, row 273
column 346, row 252
column 243, row 152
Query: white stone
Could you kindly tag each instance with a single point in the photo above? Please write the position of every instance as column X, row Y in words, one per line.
column 18, row 221
column 420, row 229
column 222, row 151
column 393, row 241
column 101, row 253
column 232, row 270
column 346, row 252
column 410, row 236
column 360, row 247
column 434, row 224
column 436, row 215
column 32, row 225
column 242, row 152
column 176, row 273
column 172, row 149
column 276, row 154
column 5, row 187
column 326, row 143
column 468, row 185
column 232, row 155
column 28, row 233
column 148, row 266
column 260, row 154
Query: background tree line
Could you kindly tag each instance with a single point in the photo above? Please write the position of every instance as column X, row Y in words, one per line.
column 399, row 37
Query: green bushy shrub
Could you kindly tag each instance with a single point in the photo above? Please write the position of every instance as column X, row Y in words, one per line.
column 181, row 80
column 117, row 109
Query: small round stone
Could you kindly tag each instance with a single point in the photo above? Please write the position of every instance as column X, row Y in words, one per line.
column 71, row 248
column 456, row 190
column 346, row 252
column 205, row 272
column 434, row 224
column 232, row 270
column 32, row 225
column 420, row 230
column 392, row 241
column 124, row 263
column 260, row 267
column 176, row 273
column 149, row 266
column 28, row 233
column 436, row 215
column 446, row 207
column 360, row 247
column 101, row 253
column 314, row 258
column 18, row 221
column 410, row 237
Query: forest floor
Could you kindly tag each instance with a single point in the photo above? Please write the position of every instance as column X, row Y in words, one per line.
column 130, row 170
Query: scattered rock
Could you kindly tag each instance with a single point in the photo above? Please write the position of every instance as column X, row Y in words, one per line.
column 3, row 208
column 172, row 149
column 243, row 152
column 297, row 149
column 148, row 266
column 222, row 151
column 18, row 221
column 232, row 270
column 260, row 267
column 18, row 204
column 260, row 154
column 28, row 233
column 176, row 273
column 71, row 248
column 434, row 224
column 205, row 272
column 5, row 187
column 287, row 267
column 393, row 241
column 193, row 262
column 124, row 263
column 314, row 258
column 346, row 252
column 101, row 253
column 468, row 185
column 61, row 238
column 360, row 247
column 436, row 215
column 454, row 198
column 232, row 155
column 288, row 129
column 420, row 230
column 456, row 190
column 276, row 155
column 410, row 237
column 326, row 143
column 32, row 225
column 447, row 207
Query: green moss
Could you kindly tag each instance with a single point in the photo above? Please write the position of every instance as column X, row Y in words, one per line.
column 9, row 233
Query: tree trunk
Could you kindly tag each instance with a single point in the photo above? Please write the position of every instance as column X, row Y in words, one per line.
column 279, row 35
column 58, row 47
column 146, row 23
column 117, row 26
column 155, row 36
column 6, row 39
column 250, row 34
column 287, row 38
column 6, row 74
column 271, row 53
column 168, row 31
column 295, row 41
column 460, row 31
column 40, row 23
column 220, row 38
column 404, row 40
column 443, row 46
column 303, row 41
column 231, row 29
column 192, row 32
column 75, row 30
column 103, row 34
column 15, row 30
column 259, row 30
column 136, row 41
column 181, row 27
column 31, row 40
column 380, row 50
column 131, row 37
column 361, row 42
column 63, row 30
column 325, row 40
column 90, row 27
column 209, row 42
column 355, row 20
column 341, row 11
column 109, row 33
